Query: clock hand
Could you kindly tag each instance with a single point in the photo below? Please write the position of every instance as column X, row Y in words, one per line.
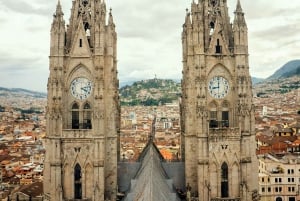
column 84, row 89
column 217, row 86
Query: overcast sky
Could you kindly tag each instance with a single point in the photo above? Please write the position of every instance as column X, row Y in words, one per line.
column 149, row 38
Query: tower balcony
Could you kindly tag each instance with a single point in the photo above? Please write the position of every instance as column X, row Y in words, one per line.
column 225, row 199
column 223, row 133
column 47, row 197
column 77, row 133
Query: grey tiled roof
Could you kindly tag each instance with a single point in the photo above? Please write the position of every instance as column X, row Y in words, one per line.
column 151, row 183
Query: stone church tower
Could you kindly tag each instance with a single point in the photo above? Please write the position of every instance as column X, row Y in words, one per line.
column 218, row 127
column 83, row 109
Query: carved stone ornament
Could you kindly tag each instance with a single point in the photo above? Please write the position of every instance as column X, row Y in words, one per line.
column 246, row 160
column 98, row 97
column 203, row 162
column 201, row 112
column 98, row 114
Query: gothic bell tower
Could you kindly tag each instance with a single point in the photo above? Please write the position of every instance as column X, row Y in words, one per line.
column 82, row 109
column 218, row 127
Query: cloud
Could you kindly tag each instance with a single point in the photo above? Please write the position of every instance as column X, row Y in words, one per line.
column 281, row 32
column 263, row 9
column 2, row 20
column 147, row 33
column 23, row 7
column 149, row 37
column 273, row 29
column 16, row 64
column 145, row 19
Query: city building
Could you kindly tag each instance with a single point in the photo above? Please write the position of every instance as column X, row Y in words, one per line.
column 217, row 111
column 279, row 177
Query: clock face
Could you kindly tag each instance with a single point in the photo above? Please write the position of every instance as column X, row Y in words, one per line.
column 81, row 88
column 218, row 87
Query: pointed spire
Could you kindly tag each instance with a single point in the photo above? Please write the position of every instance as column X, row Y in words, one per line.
column 239, row 18
column 58, row 12
column 110, row 18
column 58, row 18
column 240, row 30
column 239, row 7
column 188, row 19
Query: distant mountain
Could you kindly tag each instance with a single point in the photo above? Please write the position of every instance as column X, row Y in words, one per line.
column 18, row 92
column 290, row 69
column 256, row 80
column 126, row 83
column 150, row 92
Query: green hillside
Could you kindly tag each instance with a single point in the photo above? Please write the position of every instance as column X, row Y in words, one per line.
column 150, row 92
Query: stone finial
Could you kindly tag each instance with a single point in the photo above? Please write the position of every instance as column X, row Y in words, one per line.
column 110, row 18
column 58, row 11
column 239, row 7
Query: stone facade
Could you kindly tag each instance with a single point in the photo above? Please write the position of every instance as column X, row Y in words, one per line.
column 218, row 127
column 83, row 106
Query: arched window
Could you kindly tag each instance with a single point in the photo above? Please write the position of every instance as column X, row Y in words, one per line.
column 85, row 3
column 81, row 116
column 75, row 116
column 218, row 47
column 86, row 26
column 278, row 199
column 224, row 181
column 80, row 42
column 88, row 32
column 77, row 182
column 213, row 3
column 213, row 115
column 212, row 28
column 225, row 114
column 87, row 116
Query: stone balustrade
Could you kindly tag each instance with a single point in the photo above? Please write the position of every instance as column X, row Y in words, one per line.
column 80, row 133
column 225, row 199
column 224, row 133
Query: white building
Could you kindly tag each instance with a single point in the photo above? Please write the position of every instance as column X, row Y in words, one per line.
column 279, row 177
